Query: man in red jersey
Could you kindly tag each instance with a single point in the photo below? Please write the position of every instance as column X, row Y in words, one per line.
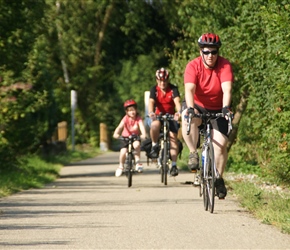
column 164, row 98
column 208, row 83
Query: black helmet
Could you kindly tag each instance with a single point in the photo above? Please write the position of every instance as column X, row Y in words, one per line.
column 209, row 40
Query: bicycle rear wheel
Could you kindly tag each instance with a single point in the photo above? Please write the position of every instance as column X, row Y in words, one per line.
column 130, row 169
column 211, row 178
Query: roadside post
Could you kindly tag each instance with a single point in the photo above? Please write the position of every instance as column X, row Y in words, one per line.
column 73, row 97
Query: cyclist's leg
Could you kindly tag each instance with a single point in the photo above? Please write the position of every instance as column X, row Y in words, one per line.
column 154, row 134
column 122, row 158
column 154, row 131
column 136, row 146
column 220, row 141
column 191, row 141
column 137, row 151
column 173, row 130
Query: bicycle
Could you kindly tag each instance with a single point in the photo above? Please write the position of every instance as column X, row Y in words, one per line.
column 130, row 157
column 208, row 173
column 164, row 143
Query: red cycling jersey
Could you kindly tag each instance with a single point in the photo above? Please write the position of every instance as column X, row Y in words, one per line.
column 131, row 126
column 164, row 102
column 208, row 93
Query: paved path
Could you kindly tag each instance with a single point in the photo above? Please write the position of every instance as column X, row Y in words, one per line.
column 89, row 208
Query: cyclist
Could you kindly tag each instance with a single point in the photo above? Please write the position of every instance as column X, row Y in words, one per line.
column 130, row 124
column 164, row 98
column 208, row 83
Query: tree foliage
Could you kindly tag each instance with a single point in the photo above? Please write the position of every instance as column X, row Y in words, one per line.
column 108, row 51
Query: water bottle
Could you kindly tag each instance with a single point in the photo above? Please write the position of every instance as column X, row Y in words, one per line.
column 202, row 157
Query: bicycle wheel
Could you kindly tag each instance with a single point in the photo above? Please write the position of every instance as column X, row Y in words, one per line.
column 130, row 169
column 204, row 192
column 165, row 162
column 211, row 177
column 161, row 168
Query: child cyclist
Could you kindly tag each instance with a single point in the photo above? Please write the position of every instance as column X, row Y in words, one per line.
column 130, row 124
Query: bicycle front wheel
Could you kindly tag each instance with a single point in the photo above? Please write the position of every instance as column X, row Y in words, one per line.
column 210, row 177
column 130, row 169
column 161, row 168
column 165, row 162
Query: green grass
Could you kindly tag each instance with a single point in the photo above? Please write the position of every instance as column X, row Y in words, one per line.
column 33, row 171
column 270, row 207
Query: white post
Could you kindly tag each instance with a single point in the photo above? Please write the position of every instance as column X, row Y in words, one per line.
column 146, row 102
column 73, row 99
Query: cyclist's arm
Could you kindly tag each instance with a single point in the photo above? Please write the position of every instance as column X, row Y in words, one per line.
column 177, row 103
column 189, row 93
column 227, row 93
column 142, row 129
column 151, row 107
column 118, row 130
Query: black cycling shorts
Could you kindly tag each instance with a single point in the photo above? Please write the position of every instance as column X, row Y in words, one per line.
column 125, row 144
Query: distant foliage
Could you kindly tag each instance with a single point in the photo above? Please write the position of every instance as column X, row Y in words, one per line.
column 108, row 51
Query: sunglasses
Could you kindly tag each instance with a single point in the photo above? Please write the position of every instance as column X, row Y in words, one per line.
column 213, row 52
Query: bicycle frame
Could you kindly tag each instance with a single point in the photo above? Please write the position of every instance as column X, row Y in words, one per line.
column 130, row 158
column 164, row 143
column 208, row 171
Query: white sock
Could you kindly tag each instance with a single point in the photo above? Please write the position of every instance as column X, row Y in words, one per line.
column 173, row 163
column 153, row 144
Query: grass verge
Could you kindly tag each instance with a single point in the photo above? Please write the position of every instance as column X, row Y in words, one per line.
column 33, row 171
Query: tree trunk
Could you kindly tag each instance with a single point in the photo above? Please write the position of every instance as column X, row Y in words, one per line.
column 241, row 107
column 102, row 32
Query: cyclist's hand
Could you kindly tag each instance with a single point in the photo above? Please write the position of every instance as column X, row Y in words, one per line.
column 152, row 116
column 190, row 111
column 143, row 137
column 176, row 116
column 227, row 112
column 116, row 136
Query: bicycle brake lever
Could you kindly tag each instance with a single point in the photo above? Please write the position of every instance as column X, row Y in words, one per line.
column 188, row 123
column 230, row 126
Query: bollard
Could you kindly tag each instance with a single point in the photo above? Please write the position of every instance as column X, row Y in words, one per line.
column 62, row 131
column 103, row 137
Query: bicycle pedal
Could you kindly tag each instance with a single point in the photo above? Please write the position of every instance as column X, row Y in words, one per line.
column 221, row 198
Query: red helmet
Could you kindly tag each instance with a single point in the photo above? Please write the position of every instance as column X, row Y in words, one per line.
column 162, row 74
column 130, row 103
column 209, row 40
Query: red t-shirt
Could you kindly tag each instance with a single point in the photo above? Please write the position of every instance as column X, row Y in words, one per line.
column 131, row 126
column 208, row 93
column 164, row 102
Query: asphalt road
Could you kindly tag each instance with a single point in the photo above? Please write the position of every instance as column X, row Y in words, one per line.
column 89, row 208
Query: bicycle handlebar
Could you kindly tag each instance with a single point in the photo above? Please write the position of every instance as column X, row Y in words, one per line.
column 208, row 116
column 165, row 117
column 133, row 137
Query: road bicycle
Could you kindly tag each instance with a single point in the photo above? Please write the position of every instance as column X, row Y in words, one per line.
column 130, row 157
column 208, row 173
column 164, row 144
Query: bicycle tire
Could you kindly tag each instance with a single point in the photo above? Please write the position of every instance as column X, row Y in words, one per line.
column 211, row 178
column 130, row 169
column 204, row 192
column 165, row 162
column 161, row 168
